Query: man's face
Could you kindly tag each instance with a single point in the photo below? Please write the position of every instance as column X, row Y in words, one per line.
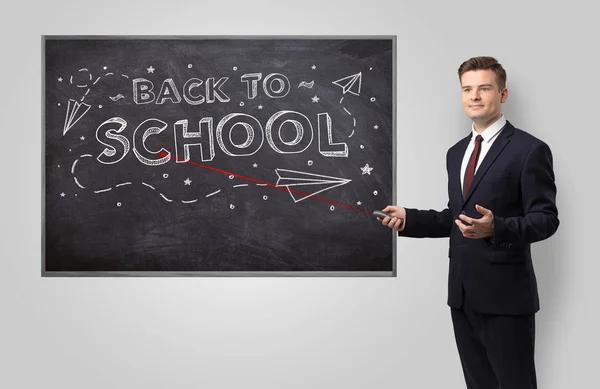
column 481, row 99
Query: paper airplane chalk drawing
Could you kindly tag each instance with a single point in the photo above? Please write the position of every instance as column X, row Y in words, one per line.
column 75, row 111
column 350, row 84
column 302, row 185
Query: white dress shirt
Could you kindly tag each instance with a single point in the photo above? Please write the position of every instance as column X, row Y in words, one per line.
column 489, row 135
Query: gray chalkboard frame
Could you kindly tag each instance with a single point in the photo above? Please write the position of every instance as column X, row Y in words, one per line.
column 393, row 237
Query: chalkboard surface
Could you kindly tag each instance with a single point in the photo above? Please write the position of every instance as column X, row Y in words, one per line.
column 218, row 155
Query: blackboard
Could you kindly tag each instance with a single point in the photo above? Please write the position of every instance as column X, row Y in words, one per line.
column 218, row 155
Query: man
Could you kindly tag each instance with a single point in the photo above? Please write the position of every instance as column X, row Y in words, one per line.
column 501, row 199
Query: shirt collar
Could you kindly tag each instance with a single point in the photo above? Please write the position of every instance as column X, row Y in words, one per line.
column 490, row 132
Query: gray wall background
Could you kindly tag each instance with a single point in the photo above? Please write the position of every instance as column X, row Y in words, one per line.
column 310, row 332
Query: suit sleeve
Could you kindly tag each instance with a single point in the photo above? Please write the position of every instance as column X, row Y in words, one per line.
column 538, row 193
column 427, row 223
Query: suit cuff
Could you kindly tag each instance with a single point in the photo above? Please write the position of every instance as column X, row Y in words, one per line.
column 499, row 240
column 411, row 216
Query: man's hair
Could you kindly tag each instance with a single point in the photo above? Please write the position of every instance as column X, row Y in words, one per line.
column 484, row 63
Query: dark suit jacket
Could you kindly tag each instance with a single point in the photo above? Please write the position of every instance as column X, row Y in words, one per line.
column 516, row 182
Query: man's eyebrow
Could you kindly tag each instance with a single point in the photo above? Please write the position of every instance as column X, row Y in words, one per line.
column 469, row 86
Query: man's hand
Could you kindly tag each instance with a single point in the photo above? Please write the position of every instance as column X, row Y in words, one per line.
column 479, row 228
column 396, row 218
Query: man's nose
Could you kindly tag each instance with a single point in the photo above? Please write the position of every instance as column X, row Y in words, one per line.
column 475, row 95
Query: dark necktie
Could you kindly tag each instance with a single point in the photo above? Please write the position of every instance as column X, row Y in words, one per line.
column 470, row 172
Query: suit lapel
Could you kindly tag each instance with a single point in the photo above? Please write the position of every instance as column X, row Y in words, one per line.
column 497, row 147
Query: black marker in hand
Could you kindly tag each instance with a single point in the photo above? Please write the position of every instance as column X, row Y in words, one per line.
column 380, row 214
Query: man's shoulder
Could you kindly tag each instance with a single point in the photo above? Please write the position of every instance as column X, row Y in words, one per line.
column 525, row 138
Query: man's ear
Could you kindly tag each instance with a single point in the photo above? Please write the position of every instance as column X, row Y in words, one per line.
column 504, row 95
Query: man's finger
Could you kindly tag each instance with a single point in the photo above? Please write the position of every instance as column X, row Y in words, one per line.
column 482, row 210
column 392, row 221
column 467, row 219
column 395, row 222
column 461, row 226
column 467, row 231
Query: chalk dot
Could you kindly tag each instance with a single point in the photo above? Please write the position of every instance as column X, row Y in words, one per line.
column 375, row 192
column 58, row 165
column 189, row 66
column 235, row 68
column 362, row 147
column 231, row 206
column 332, row 208
column 165, row 175
column 59, row 104
column 105, row 68
column 118, row 204
column 310, row 163
column 231, row 177
column 100, row 106
column 370, row 68
column 372, row 99
column 241, row 103
column 75, row 194
column 265, row 197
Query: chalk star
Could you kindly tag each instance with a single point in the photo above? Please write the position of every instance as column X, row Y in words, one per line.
column 366, row 169
column 59, row 79
column 150, row 69
column 358, row 203
column 187, row 181
column 82, row 138
column 260, row 107
column 62, row 194
column 376, row 126
column 255, row 165
column 315, row 99
column 313, row 67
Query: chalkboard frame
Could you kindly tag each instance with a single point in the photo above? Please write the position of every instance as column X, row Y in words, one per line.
column 393, row 237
